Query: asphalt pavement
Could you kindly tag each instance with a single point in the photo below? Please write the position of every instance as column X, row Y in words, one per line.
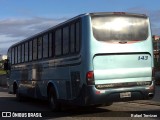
column 154, row 101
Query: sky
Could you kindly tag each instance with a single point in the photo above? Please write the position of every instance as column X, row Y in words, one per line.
column 20, row 19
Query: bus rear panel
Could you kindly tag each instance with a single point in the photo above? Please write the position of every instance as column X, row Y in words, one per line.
column 121, row 58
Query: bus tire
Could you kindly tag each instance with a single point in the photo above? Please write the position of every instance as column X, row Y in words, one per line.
column 52, row 99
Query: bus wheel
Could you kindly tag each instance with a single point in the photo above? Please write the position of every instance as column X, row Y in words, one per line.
column 52, row 99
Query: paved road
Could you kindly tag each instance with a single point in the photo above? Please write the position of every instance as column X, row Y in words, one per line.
column 9, row 103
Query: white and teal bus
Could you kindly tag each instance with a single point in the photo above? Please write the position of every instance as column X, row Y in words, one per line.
column 91, row 59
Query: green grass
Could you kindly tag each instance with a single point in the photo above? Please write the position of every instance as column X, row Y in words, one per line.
column 2, row 72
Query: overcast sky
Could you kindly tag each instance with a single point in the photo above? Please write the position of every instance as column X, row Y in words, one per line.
column 20, row 19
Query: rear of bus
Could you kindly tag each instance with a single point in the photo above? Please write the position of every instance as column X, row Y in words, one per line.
column 121, row 58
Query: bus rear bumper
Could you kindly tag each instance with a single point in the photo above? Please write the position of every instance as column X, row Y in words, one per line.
column 92, row 96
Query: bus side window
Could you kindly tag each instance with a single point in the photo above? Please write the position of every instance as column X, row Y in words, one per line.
column 35, row 49
column 9, row 55
column 50, row 44
column 22, row 53
column 15, row 55
column 39, row 47
column 12, row 55
column 77, row 36
column 19, row 53
column 58, row 42
column 30, row 50
column 45, row 46
column 72, row 38
column 65, row 40
column 26, row 52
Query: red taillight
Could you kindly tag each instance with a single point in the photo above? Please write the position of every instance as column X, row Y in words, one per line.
column 90, row 75
column 90, row 78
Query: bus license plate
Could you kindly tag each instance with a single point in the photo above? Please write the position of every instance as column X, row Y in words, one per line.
column 125, row 94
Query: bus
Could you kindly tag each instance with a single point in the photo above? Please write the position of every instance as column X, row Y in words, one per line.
column 91, row 59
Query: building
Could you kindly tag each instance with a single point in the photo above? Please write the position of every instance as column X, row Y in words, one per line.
column 156, row 47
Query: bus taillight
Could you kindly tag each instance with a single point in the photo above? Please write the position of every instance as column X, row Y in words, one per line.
column 90, row 78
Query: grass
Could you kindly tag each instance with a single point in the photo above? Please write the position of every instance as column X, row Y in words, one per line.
column 2, row 72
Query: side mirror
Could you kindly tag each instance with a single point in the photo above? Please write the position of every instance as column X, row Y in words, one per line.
column 6, row 65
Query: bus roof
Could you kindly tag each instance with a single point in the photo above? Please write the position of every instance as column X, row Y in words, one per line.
column 117, row 13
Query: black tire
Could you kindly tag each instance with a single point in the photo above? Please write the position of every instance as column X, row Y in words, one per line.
column 52, row 99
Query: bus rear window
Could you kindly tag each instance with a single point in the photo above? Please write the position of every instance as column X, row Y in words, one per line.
column 119, row 28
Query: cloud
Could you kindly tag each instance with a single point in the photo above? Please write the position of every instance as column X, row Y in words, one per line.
column 13, row 30
column 26, row 27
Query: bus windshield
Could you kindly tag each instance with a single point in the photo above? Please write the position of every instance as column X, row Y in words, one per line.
column 119, row 28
